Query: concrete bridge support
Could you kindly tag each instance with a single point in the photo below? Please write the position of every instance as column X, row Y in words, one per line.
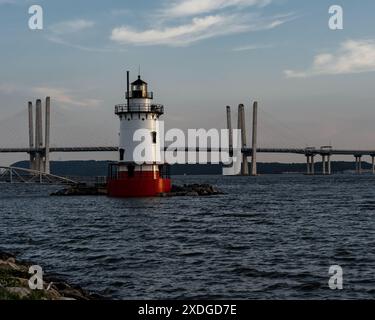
column 310, row 164
column 38, row 136
column 329, row 166
column 39, row 157
column 254, row 171
column 47, row 136
column 324, row 172
column 358, row 164
column 326, row 164
column 242, row 127
column 31, row 135
column 229, row 126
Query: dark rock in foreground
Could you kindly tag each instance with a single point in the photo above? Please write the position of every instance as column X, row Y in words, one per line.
column 192, row 190
column 14, row 277
column 82, row 190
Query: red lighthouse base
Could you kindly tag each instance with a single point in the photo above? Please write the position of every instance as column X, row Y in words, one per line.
column 132, row 183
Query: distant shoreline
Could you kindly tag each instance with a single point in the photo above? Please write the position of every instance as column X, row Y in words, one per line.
column 91, row 168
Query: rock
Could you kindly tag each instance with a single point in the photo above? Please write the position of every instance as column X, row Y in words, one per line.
column 82, row 190
column 11, row 260
column 192, row 194
column 5, row 256
column 61, row 286
column 13, row 265
column 187, row 190
column 74, row 294
column 192, row 190
column 21, row 292
column 14, row 284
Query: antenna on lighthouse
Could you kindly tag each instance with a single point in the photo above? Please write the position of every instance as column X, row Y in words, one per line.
column 128, row 86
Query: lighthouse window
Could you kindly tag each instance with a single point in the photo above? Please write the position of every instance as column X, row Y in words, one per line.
column 122, row 154
column 153, row 137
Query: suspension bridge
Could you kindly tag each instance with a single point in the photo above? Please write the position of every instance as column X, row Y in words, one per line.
column 39, row 149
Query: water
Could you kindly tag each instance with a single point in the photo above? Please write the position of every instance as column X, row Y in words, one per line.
column 268, row 237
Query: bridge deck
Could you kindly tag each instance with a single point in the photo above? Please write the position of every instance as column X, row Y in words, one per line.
column 244, row 150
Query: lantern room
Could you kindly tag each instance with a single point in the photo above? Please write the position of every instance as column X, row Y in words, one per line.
column 139, row 90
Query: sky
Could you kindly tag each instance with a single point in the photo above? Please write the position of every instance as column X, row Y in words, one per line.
column 314, row 85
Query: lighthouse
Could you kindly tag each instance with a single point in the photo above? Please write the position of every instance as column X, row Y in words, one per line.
column 130, row 177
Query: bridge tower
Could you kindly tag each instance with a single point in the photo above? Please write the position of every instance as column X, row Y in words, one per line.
column 39, row 154
column 140, row 171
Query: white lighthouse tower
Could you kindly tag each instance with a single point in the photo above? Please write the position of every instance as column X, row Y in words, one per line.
column 139, row 174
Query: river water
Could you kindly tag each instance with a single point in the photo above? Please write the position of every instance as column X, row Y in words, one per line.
column 268, row 237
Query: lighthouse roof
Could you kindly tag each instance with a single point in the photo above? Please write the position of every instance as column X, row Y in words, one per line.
column 138, row 82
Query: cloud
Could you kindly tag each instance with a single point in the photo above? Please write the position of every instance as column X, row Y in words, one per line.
column 179, row 35
column 65, row 97
column 183, row 22
column 252, row 47
column 60, row 32
column 196, row 7
column 6, row 88
column 59, row 40
column 353, row 56
column 71, row 26
column 197, row 29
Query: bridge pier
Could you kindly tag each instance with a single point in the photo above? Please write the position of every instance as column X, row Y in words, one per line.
column 31, row 136
column 39, row 150
column 38, row 135
column 310, row 164
column 242, row 127
column 358, row 164
column 324, row 164
column 47, row 136
column 254, row 171
column 229, row 126
column 329, row 164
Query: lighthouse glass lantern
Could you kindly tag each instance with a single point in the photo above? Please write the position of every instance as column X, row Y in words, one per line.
column 129, row 177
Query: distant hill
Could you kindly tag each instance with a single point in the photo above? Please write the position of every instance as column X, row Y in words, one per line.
column 100, row 168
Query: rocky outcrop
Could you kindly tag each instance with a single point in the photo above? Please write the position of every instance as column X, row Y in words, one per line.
column 82, row 190
column 193, row 190
column 14, row 284
column 187, row 190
